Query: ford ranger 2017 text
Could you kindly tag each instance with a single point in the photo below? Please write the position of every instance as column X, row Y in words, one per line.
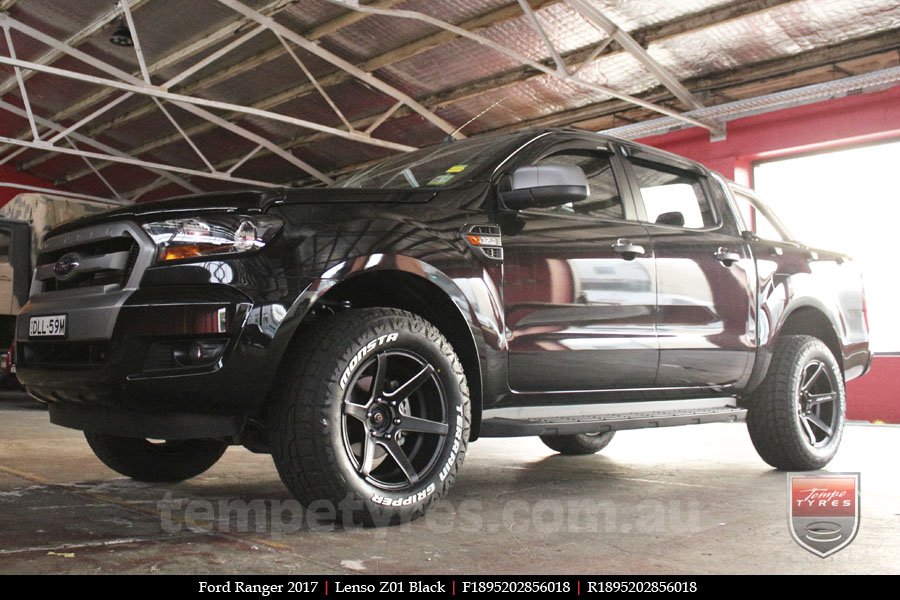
column 554, row 283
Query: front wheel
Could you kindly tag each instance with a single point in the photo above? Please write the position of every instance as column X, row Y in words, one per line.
column 578, row 444
column 145, row 460
column 374, row 419
column 796, row 419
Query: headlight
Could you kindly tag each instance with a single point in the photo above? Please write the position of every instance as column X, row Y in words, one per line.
column 211, row 235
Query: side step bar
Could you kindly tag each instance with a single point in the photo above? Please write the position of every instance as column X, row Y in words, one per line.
column 608, row 417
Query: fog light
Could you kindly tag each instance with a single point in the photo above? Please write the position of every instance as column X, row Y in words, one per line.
column 198, row 352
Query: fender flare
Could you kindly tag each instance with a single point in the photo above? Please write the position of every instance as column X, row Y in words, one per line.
column 800, row 304
column 378, row 262
column 765, row 353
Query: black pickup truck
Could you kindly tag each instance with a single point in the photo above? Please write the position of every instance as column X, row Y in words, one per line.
column 552, row 283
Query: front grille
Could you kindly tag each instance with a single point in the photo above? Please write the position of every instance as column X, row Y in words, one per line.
column 132, row 259
column 94, row 248
column 82, row 281
column 116, row 272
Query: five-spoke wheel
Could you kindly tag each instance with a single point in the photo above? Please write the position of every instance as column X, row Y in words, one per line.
column 374, row 417
column 394, row 421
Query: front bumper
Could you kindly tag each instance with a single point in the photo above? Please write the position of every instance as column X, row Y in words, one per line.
column 126, row 364
column 162, row 426
column 144, row 364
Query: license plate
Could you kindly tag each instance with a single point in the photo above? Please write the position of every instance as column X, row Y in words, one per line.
column 49, row 326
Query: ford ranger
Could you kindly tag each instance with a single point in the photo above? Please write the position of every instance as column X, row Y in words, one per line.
column 551, row 283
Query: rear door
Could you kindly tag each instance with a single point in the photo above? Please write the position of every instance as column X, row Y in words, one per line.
column 705, row 275
column 579, row 307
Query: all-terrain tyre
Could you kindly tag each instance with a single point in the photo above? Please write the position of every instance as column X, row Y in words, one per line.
column 796, row 418
column 578, row 444
column 169, row 461
column 372, row 416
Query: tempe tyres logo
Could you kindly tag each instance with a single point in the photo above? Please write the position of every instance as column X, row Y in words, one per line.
column 824, row 510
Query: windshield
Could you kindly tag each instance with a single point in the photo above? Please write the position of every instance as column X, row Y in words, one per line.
column 434, row 167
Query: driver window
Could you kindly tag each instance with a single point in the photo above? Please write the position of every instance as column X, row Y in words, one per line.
column 603, row 199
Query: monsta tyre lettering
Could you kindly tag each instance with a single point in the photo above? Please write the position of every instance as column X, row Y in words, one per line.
column 363, row 352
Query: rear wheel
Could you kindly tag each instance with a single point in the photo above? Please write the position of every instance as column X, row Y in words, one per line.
column 581, row 443
column 796, row 419
column 145, row 460
column 375, row 418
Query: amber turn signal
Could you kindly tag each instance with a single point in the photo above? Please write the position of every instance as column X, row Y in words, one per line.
column 483, row 240
column 185, row 251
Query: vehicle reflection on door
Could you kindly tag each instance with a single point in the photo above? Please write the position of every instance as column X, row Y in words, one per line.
column 576, row 311
column 705, row 334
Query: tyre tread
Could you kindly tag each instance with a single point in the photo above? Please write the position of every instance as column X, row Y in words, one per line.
column 301, row 450
column 578, row 444
column 771, row 418
column 130, row 457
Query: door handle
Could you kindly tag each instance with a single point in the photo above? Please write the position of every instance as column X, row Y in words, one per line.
column 627, row 250
column 727, row 257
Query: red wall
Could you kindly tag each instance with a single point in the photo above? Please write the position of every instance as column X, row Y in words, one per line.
column 10, row 175
column 844, row 121
column 876, row 396
column 833, row 123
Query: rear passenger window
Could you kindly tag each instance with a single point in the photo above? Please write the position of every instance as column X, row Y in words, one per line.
column 603, row 200
column 673, row 197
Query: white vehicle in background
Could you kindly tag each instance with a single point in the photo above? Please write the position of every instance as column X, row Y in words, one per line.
column 24, row 221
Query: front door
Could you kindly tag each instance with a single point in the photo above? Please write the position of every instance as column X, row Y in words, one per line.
column 579, row 289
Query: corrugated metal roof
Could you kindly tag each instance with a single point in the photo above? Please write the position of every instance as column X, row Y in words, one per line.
column 456, row 78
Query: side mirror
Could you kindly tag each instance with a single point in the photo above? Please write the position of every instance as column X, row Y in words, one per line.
column 541, row 186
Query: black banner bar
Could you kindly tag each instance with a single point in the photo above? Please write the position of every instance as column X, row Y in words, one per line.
column 449, row 586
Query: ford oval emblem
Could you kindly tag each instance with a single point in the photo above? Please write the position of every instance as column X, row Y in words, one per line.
column 66, row 266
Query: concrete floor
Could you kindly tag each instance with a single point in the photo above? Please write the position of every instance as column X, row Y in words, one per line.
column 679, row 500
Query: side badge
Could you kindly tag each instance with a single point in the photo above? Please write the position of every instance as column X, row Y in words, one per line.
column 485, row 240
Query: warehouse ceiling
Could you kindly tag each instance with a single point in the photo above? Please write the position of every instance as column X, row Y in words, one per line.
column 151, row 98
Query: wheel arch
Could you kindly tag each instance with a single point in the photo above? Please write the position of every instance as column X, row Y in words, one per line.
column 812, row 320
column 803, row 317
column 407, row 284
